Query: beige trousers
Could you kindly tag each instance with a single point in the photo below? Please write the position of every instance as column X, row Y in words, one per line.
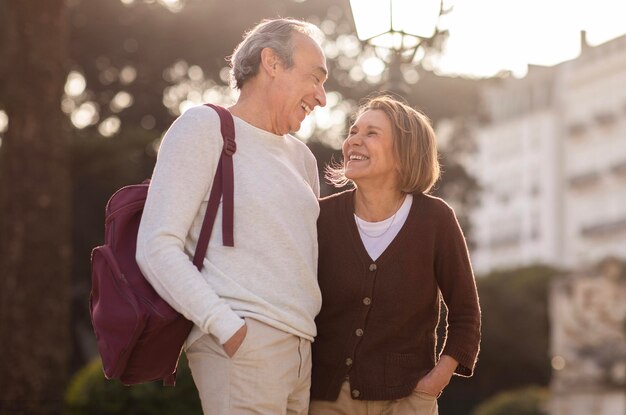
column 269, row 374
column 418, row 403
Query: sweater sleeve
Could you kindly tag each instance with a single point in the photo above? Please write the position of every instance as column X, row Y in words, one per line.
column 182, row 177
column 458, row 288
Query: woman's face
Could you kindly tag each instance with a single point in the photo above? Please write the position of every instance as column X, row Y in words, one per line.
column 368, row 154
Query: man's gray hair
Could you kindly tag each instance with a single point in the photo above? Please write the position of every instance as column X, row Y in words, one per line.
column 272, row 33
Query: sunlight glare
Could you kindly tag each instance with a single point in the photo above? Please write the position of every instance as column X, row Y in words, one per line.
column 185, row 105
column 330, row 50
column 75, row 84
column 348, row 45
column 357, row 74
column 172, row 5
column 194, row 96
column 487, row 36
column 121, row 101
column 128, row 74
column 322, row 117
column 306, row 128
column 328, row 27
column 110, row 126
column 4, row 121
column 373, row 66
column 411, row 76
column 603, row 20
column 195, row 73
column 332, row 98
column 179, row 70
column 85, row 115
column 225, row 74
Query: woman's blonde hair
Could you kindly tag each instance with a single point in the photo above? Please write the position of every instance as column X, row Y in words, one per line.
column 414, row 146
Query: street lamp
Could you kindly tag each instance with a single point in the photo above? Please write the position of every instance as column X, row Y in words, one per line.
column 398, row 28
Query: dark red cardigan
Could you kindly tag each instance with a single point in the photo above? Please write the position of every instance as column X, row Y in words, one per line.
column 379, row 318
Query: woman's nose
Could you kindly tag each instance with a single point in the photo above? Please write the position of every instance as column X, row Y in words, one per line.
column 354, row 139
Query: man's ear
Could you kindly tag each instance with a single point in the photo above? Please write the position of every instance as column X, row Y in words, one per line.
column 269, row 61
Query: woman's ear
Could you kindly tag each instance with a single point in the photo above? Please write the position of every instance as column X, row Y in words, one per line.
column 269, row 61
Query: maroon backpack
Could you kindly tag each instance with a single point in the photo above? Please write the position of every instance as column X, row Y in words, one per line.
column 139, row 335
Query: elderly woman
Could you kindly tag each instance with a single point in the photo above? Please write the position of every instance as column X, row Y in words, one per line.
column 388, row 254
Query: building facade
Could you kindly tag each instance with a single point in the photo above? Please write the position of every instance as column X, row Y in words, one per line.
column 551, row 162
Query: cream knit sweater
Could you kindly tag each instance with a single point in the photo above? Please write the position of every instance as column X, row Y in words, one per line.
column 271, row 273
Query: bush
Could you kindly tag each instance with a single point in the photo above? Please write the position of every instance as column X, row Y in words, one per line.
column 528, row 401
column 515, row 338
column 89, row 393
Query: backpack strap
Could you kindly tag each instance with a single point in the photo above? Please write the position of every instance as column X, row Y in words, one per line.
column 223, row 187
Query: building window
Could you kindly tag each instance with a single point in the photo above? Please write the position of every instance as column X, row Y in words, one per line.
column 604, row 118
column 577, row 129
column 619, row 169
column 604, row 228
column 584, row 180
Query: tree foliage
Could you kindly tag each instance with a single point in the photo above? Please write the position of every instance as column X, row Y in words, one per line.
column 515, row 337
column 89, row 393
column 532, row 400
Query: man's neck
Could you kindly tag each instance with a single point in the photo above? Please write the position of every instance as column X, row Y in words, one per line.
column 250, row 108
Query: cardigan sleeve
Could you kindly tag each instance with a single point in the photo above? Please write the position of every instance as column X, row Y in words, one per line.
column 457, row 285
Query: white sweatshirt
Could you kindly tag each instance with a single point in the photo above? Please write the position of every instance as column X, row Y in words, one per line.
column 271, row 273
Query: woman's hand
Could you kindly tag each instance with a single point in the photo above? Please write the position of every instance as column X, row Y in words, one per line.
column 232, row 345
column 439, row 377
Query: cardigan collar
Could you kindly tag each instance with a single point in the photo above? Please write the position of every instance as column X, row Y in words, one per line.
column 347, row 212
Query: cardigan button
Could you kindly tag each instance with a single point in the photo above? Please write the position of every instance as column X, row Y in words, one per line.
column 348, row 362
column 372, row 267
column 367, row 301
column 356, row 393
column 359, row 332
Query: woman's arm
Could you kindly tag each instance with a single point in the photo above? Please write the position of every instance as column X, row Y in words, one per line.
column 458, row 288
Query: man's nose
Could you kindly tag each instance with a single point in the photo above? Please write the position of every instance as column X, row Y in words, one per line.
column 320, row 96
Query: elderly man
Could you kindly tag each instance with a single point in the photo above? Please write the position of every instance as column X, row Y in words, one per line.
column 253, row 305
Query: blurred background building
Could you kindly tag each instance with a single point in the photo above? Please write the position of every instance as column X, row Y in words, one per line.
column 551, row 162
column 588, row 341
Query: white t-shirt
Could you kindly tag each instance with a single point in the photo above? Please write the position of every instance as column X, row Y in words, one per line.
column 377, row 236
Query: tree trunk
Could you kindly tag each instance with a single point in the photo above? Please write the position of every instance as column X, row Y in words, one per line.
column 34, row 201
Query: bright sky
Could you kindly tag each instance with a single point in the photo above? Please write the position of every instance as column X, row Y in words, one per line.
column 487, row 36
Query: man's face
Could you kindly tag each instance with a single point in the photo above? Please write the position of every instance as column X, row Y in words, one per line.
column 297, row 90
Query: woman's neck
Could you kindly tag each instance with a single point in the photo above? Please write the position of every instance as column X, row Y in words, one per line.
column 377, row 205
